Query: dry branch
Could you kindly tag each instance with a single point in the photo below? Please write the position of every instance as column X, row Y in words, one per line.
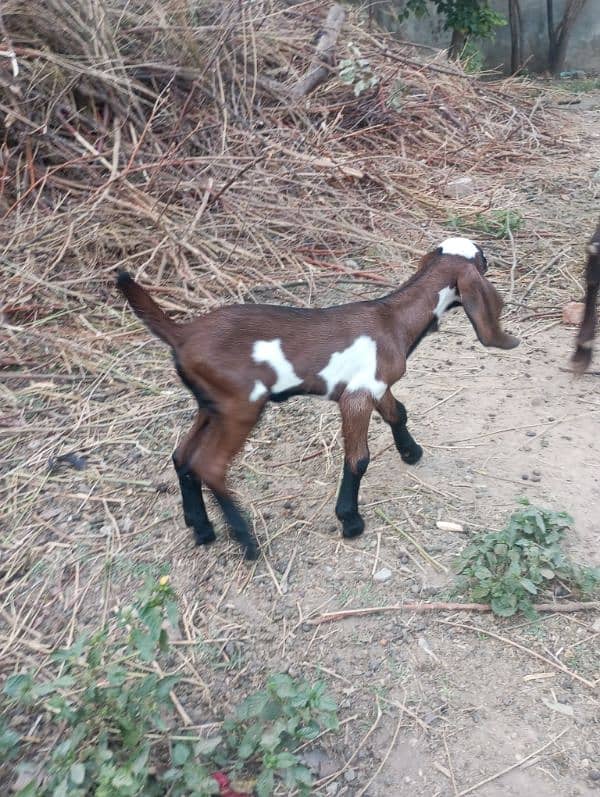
column 439, row 606
column 324, row 54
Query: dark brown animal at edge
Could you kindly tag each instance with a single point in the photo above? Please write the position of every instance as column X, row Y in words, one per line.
column 237, row 358
column 587, row 331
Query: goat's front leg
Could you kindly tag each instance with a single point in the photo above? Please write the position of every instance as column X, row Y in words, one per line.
column 394, row 413
column 356, row 409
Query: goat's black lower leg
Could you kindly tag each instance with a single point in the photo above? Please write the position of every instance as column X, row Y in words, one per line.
column 356, row 409
column 346, row 508
column 394, row 414
column 194, row 510
column 410, row 451
column 240, row 528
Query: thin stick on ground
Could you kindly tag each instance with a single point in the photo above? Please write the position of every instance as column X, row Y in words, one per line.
column 441, row 606
column 545, row 659
column 505, row 771
column 437, row 565
column 387, row 754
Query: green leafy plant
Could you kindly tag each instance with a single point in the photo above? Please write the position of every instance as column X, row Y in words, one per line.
column 494, row 223
column 357, row 71
column 111, row 708
column 471, row 58
column 269, row 725
column 511, row 568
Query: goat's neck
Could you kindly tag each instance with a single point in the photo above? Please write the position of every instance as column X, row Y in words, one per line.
column 420, row 303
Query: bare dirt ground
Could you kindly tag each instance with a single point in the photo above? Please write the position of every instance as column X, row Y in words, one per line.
column 430, row 704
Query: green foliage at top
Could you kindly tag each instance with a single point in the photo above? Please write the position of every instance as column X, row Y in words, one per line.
column 471, row 17
column 116, row 727
column 357, row 71
column 511, row 568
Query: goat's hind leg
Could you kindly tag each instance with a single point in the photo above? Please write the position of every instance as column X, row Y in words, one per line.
column 356, row 409
column 223, row 439
column 583, row 354
column 194, row 510
column 394, row 414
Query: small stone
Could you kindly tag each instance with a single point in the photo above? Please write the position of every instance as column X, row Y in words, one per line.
column 332, row 789
column 525, row 477
column 382, row 575
column 350, row 775
column 594, row 774
column 448, row 525
column 536, row 478
column 460, row 187
column 231, row 649
column 530, row 433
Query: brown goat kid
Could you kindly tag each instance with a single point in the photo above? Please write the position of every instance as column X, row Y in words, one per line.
column 587, row 331
column 237, row 358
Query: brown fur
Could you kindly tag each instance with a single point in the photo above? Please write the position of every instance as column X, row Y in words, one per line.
column 587, row 331
column 213, row 354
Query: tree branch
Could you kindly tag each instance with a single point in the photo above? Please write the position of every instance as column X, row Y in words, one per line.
column 421, row 608
column 324, row 54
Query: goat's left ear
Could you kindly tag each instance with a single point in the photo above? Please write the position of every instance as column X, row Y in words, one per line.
column 483, row 305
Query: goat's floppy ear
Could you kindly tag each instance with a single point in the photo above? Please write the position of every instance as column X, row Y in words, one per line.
column 483, row 305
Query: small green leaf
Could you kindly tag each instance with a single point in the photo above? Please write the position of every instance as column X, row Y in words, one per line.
column 206, row 747
column 77, row 773
column 326, row 703
column 529, row 586
column 284, row 760
column 181, row 753
column 265, row 783
column 282, row 685
column 18, row 686
column 123, row 779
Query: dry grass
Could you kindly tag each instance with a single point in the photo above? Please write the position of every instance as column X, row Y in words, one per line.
column 165, row 142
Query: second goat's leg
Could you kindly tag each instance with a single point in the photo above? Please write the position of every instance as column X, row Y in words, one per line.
column 356, row 409
column 393, row 413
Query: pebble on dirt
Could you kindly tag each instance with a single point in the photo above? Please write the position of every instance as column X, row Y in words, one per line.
column 382, row 575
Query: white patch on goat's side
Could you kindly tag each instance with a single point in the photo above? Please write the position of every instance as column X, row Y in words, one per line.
column 355, row 367
column 258, row 391
column 271, row 353
column 459, row 246
column 447, row 296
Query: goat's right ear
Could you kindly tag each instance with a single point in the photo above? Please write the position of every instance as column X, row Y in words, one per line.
column 483, row 305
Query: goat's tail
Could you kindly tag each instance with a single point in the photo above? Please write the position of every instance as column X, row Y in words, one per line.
column 144, row 306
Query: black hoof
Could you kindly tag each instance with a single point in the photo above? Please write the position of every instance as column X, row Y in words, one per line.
column 412, row 455
column 353, row 527
column 205, row 535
